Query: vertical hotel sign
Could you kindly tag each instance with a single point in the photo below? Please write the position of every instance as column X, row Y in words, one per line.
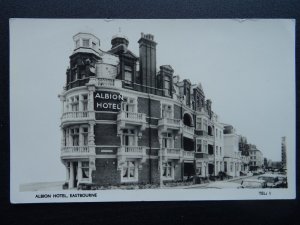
column 107, row 101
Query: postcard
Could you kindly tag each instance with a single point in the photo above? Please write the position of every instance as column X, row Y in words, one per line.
column 111, row 110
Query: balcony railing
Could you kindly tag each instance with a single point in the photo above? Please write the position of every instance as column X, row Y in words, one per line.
column 168, row 123
column 105, row 82
column 188, row 155
column 77, row 116
column 123, row 115
column 188, row 130
column 132, row 151
column 130, row 118
column 77, row 151
column 171, row 152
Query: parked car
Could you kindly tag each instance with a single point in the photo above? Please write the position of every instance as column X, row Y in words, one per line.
column 271, row 179
column 249, row 174
column 283, row 179
column 253, row 183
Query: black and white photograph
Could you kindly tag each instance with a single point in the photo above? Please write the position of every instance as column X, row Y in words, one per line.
column 112, row 110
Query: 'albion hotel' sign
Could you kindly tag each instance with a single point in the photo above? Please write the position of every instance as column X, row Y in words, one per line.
column 107, row 101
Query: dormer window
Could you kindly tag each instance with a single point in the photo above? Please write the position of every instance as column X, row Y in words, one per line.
column 85, row 42
column 128, row 76
column 77, row 43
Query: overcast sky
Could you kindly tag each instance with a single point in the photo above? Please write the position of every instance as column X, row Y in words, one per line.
column 246, row 67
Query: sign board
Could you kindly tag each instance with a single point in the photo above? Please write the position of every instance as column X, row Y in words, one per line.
column 107, row 101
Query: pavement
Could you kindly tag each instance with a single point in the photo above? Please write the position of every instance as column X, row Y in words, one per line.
column 205, row 184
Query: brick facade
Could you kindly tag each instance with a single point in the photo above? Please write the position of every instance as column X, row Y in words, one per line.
column 155, row 120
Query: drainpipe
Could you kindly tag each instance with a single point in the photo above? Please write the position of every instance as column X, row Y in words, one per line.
column 149, row 139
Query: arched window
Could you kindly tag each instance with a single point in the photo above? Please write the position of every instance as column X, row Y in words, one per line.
column 187, row 120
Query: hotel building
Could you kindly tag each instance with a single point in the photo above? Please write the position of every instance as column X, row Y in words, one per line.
column 126, row 121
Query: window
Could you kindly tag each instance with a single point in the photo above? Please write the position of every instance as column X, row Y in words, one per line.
column 188, row 96
column 205, row 125
column 65, row 137
column 198, row 103
column 217, row 151
column 75, row 136
column 166, row 111
column 167, row 170
column 167, row 141
column 220, row 151
column 231, row 167
column 199, row 168
column 198, row 123
column 205, row 147
column 167, row 86
column 128, row 105
column 94, row 45
column 85, row 103
column 199, row 145
column 85, row 169
column 85, row 135
column 128, row 138
column 128, row 76
column 75, row 103
column 85, row 42
column 77, row 43
column 129, row 171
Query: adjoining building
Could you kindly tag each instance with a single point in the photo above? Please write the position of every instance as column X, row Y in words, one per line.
column 232, row 155
column 256, row 158
column 125, row 121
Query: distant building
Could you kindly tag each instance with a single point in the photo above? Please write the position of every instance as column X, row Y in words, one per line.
column 283, row 152
column 256, row 158
column 244, row 149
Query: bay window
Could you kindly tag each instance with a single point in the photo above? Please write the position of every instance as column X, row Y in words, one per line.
column 168, row 170
column 129, row 171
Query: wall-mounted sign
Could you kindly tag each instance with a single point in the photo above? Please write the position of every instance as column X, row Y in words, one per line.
column 107, row 101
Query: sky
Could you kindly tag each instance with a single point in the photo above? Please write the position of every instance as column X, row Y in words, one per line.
column 246, row 67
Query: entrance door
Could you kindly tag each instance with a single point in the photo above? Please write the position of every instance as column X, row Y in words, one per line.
column 210, row 169
column 75, row 168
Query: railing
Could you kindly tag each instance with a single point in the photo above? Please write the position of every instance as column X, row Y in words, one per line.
column 170, row 122
column 188, row 154
column 171, row 152
column 132, row 116
column 75, row 150
column 132, row 151
column 77, row 115
column 188, row 129
column 211, row 158
column 107, row 82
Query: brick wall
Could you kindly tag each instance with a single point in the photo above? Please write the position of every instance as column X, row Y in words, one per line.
column 144, row 140
column 106, row 134
column 154, row 171
column 142, row 104
column 144, row 172
column 143, row 107
column 106, row 172
column 155, row 109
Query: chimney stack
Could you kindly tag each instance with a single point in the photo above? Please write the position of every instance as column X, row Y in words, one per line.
column 147, row 61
